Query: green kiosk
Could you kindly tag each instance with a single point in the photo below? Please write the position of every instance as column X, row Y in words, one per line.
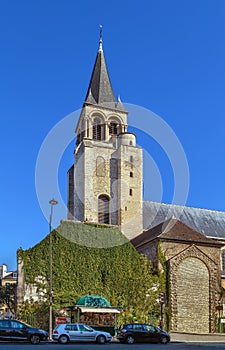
column 96, row 312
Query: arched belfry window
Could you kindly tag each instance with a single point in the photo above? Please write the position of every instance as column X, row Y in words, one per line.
column 113, row 128
column 103, row 209
column 100, row 166
column 97, row 129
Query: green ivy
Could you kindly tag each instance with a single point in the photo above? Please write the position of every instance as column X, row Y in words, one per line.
column 93, row 260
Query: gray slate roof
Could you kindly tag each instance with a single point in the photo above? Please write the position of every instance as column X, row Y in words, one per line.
column 208, row 222
column 100, row 90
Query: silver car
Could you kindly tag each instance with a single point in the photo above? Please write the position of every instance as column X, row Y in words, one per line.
column 78, row 332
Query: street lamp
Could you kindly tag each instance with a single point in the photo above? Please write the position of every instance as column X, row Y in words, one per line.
column 52, row 202
column 162, row 302
column 219, row 308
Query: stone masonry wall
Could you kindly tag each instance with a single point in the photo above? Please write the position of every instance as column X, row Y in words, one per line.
column 194, row 283
column 194, row 286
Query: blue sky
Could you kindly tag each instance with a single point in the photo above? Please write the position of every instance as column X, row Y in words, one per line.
column 166, row 56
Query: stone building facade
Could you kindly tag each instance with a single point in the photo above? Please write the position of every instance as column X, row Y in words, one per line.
column 193, row 273
column 105, row 182
column 105, row 186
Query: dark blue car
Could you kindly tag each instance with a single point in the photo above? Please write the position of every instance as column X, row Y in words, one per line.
column 141, row 333
column 13, row 330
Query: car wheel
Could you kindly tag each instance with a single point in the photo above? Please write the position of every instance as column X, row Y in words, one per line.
column 130, row 339
column 63, row 339
column 101, row 339
column 164, row 340
column 35, row 339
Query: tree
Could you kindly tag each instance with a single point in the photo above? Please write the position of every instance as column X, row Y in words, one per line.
column 8, row 297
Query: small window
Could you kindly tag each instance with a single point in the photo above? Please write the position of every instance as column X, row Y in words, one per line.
column 223, row 261
column 16, row 325
column 131, row 159
column 85, row 328
column 131, row 143
column 131, row 174
column 149, row 328
column 4, row 323
column 125, row 208
column 131, row 192
column 71, row 327
column 127, row 326
column 138, row 327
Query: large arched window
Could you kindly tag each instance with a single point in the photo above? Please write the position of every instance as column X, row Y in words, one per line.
column 103, row 209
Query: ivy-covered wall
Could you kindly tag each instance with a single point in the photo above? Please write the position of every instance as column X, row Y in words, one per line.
column 96, row 260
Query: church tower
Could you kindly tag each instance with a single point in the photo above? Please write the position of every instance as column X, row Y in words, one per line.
column 105, row 182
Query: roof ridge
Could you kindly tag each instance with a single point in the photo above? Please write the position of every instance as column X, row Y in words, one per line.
column 185, row 206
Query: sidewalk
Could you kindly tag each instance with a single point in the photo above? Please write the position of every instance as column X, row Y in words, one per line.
column 196, row 337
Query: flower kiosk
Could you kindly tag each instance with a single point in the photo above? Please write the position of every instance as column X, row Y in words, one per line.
column 96, row 312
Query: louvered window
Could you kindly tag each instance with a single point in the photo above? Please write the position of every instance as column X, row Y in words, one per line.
column 97, row 132
column 113, row 129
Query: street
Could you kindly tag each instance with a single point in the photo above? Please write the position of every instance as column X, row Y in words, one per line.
column 113, row 346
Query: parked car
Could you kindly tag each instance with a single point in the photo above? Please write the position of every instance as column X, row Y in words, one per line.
column 13, row 330
column 78, row 332
column 141, row 333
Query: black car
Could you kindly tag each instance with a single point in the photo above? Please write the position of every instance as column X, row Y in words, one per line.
column 141, row 333
column 13, row 330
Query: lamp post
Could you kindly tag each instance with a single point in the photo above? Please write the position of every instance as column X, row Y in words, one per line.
column 219, row 308
column 52, row 202
column 162, row 302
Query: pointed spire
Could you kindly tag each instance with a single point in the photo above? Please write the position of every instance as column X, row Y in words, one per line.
column 100, row 90
column 100, row 85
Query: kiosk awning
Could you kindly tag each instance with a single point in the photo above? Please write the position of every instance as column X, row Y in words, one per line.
column 102, row 310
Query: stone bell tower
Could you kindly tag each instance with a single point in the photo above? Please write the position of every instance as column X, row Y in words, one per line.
column 105, row 182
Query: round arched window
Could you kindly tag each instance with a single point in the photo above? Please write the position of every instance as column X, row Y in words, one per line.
column 103, row 209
